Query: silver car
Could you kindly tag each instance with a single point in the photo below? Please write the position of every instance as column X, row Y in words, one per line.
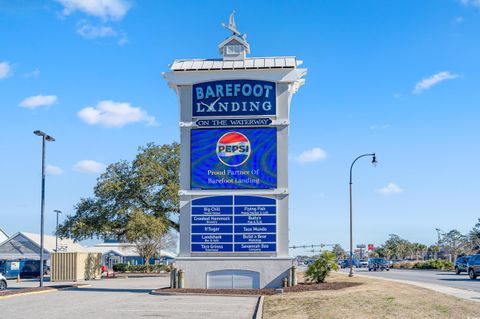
column 3, row 282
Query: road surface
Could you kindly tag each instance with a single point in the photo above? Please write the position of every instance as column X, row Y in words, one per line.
column 124, row 298
column 443, row 278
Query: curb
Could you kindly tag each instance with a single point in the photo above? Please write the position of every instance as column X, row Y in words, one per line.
column 157, row 293
column 258, row 314
column 436, row 270
column 37, row 292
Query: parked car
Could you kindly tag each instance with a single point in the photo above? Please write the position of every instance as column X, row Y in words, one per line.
column 461, row 264
column 3, row 282
column 378, row 264
column 363, row 263
column 473, row 266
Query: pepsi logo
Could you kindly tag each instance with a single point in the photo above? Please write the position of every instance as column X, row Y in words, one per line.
column 233, row 149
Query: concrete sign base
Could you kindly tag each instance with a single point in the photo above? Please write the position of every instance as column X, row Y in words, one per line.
column 234, row 272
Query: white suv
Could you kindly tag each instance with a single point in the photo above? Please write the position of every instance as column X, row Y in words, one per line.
column 3, row 282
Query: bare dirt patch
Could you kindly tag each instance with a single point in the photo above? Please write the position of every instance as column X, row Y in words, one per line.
column 266, row 291
column 370, row 298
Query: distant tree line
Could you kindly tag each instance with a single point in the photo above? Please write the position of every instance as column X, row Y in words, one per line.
column 451, row 245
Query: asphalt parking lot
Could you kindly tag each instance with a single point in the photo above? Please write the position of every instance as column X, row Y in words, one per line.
column 124, row 298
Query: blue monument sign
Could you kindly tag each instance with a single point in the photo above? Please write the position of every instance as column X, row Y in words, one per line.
column 234, row 158
column 228, row 224
column 234, row 131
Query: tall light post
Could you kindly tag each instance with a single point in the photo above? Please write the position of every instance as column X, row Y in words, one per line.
column 56, row 230
column 374, row 162
column 45, row 137
column 438, row 242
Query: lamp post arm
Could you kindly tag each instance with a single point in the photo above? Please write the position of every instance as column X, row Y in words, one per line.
column 359, row 157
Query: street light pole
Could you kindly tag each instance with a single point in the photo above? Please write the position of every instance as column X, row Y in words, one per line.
column 56, row 230
column 438, row 242
column 45, row 137
column 374, row 162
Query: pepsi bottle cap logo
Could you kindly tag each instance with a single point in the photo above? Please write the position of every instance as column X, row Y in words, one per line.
column 233, row 149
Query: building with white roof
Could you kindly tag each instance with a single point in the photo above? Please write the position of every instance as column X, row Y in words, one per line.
column 118, row 252
column 23, row 245
column 3, row 236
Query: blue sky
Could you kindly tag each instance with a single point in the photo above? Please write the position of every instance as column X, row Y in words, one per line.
column 399, row 78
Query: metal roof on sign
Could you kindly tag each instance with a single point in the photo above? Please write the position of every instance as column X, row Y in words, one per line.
column 248, row 63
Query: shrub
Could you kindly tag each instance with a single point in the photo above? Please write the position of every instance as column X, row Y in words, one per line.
column 426, row 264
column 434, row 264
column 120, row 267
column 403, row 265
column 137, row 268
column 320, row 268
column 148, row 268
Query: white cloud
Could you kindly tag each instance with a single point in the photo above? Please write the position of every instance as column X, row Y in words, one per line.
column 105, row 9
column 380, row 126
column 34, row 74
column 114, row 114
column 391, row 188
column 459, row 19
column 90, row 31
column 427, row 83
column 123, row 39
column 5, row 70
column 88, row 166
column 38, row 100
column 313, row 155
column 53, row 170
column 475, row 3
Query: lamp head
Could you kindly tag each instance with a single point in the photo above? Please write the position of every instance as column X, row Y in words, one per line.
column 374, row 160
column 44, row 135
column 57, row 211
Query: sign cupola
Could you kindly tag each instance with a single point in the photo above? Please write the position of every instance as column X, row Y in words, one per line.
column 236, row 46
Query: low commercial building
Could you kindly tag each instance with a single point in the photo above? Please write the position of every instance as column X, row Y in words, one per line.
column 20, row 254
column 23, row 245
column 126, row 253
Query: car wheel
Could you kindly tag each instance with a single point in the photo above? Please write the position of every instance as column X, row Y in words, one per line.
column 3, row 285
column 457, row 271
column 471, row 274
column 388, row 269
column 369, row 269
